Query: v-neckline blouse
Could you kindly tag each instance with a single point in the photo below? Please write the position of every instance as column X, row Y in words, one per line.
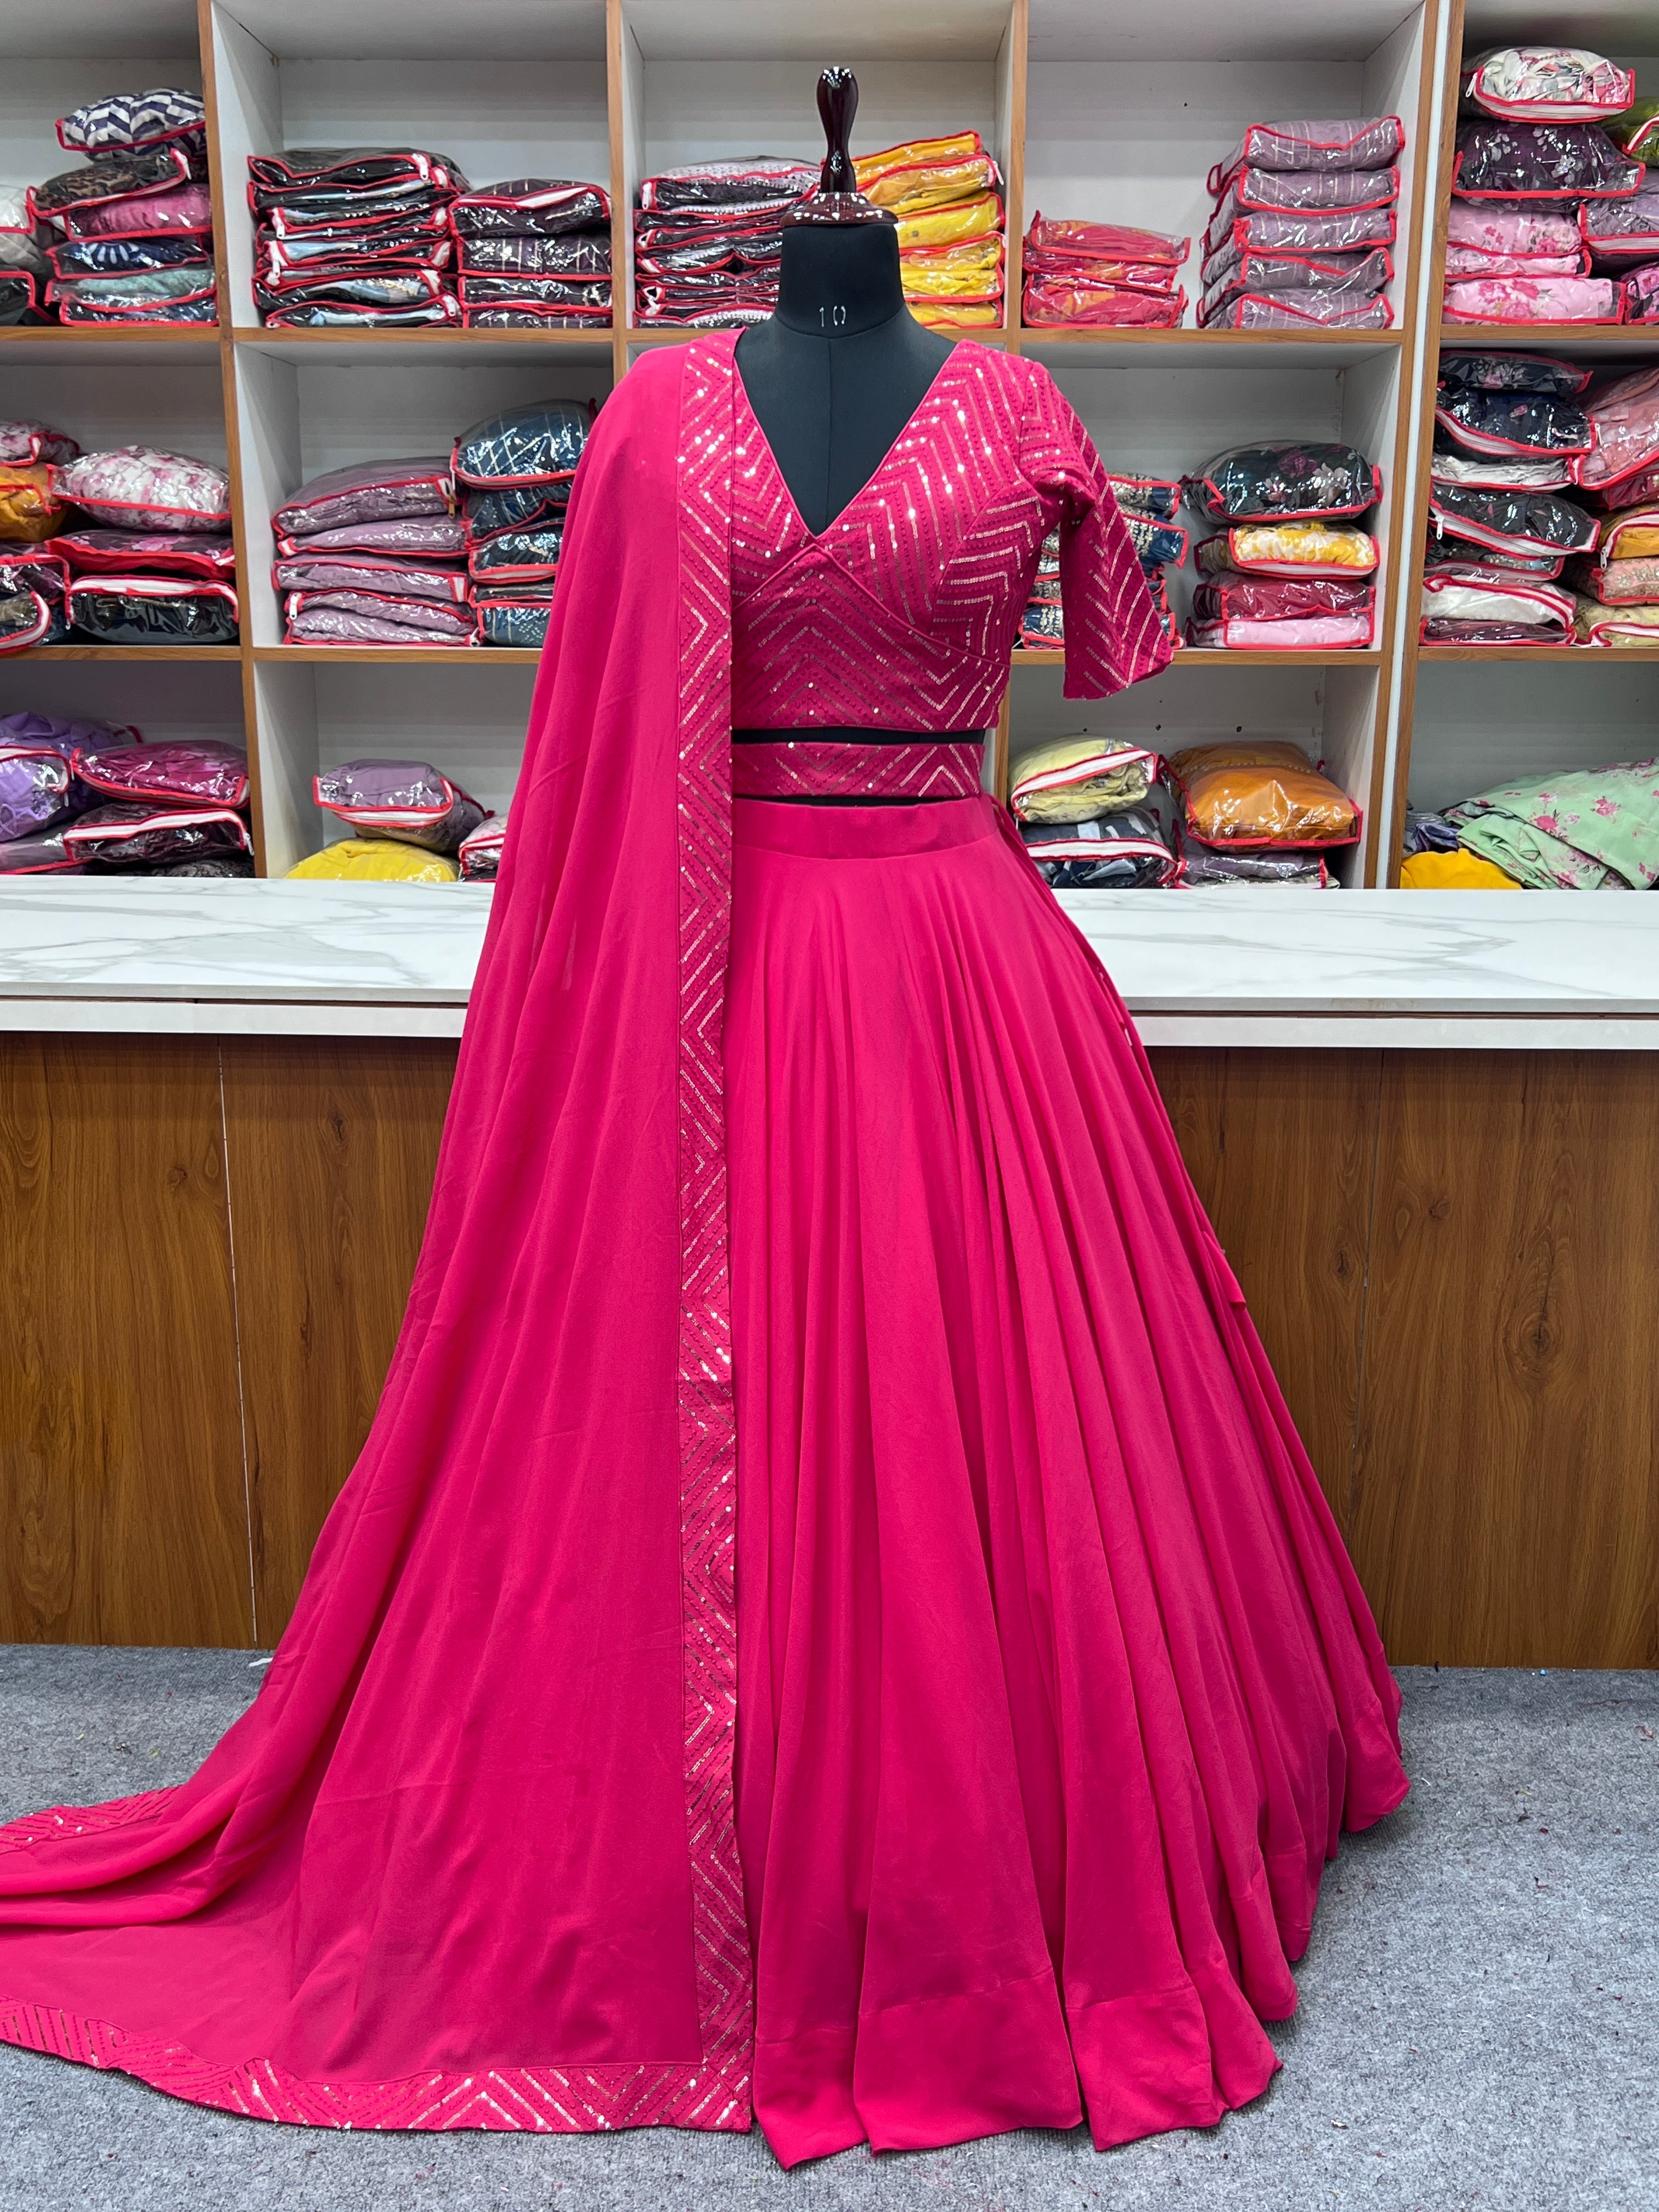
column 900, row 614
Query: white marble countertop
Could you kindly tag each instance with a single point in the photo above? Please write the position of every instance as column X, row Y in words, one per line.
column 1245, row 966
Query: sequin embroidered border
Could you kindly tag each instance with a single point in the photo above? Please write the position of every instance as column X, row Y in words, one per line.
column 812, row 767
column 715, row 2092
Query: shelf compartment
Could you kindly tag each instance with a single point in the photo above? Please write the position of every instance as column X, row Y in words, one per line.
column 393, row 656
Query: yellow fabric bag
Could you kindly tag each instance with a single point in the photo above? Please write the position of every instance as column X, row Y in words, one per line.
column 28, row 509
column 973, row 271
column 914, row 154
column 375, row 860
column 957, row 314
column 1297, row 548
column 1268, row 792
column 1630, row 535
column 1239, row 752
column 1453, row 871
column 953, row 224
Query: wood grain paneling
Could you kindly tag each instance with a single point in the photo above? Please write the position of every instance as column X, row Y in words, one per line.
column 1506, row 1508
column 1282, row 1146
column 122, row 1508
column 332, row 1145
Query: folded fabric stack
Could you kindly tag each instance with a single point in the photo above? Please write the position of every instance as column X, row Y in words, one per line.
column 1100, row 275
column 374, row 554
column 1148, row 505
column 408, row 822
column 1590, row 829
column 1291, row 569
column 1620, row 476
column 514, row 471
column 707, row 239
column 1537, row 187
column 533, row 254
column 128, row 547
column 41, row 793
column 80, row 797
column 1094, row 814
column 1510, row 432
column 127, row 237
column 1258, row 811
column 1301, row 227
column 945, row 194
column 353, row 236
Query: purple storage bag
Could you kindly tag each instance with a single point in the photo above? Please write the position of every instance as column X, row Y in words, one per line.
column 37, row 785
column 409, row 537
column 142, row 837
column 409, row 800
column 177, row 772
column 365, row 572
column 43, row 854
column 371, row 491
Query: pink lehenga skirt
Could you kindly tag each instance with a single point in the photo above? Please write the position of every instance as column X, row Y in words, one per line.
column 1055, row 1685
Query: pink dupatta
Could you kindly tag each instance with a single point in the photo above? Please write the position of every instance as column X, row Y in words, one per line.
column 469, row 1860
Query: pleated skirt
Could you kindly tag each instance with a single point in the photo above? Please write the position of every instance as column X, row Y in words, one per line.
column 1056, row 1686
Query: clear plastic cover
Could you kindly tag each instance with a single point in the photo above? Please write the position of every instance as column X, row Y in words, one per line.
column 1230, row 595
column 42, row 854
column 1286, row 478
column 1246, row 270
column 521, row 622
column 1058, row 245
column 480, row 855
column 1230, row 800
column 1626, row 417
column 1514, row 372
column 1202, row 867
column 523, row 446
column 1531, row 299
column 515, row 507
column 1290, row 311
column 1632, row 534
column 1049, row 302
column 183, row 210
column 1336, row 633
column 140, row 836
column 761, row 182
column 1629, row 582
column 1526, row 423
column 1547, row 84
column 368, row 491
column 1308, row 190
column 1357, row 142
column 381, row 574
column 1449, row 467
column 1531, row 521
column 1077, row 778
column 27, row 442
column 571, row 253
column 135, row 289
column 121, row 764
column 138, row 488
column 1640, row 295
column 127, row 257
column 1470, row 593
column 132, row 118
column 517, row 556
column 119, row 176
column 1620, row 231
column 321, row 172
column 356, row 617
column 1559, row 161
column 1286, row 230
column 153, row 611
column 30, row 509
column 1339, row 550
column 409, row 801
column 1132, row 849
column 530, row 207
column 1596, row 624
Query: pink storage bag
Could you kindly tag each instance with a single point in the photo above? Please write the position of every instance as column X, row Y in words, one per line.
column 1532, row 300
column 1371, row 142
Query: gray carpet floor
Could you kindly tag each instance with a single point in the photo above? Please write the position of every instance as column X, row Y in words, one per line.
column 1478, row 2023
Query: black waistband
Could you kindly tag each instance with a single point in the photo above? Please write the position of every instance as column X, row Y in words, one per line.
column 842, row 734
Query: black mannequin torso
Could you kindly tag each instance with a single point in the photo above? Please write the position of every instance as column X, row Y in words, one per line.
column 841, row 368
column 833, row 379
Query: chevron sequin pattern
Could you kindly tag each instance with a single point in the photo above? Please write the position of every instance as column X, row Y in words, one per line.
column 902, row 614
column 804, row 769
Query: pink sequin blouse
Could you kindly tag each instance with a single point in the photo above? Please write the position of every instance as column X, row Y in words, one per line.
column 902, row 614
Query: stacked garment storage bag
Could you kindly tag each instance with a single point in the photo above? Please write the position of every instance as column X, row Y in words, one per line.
column 147, row 548
column 24, row 267
column 1510, row 430
column 131, row 234
column 708, row 238
column 1258, row 811
column 1100, row 276
column 1303, row 226
column 515, row 472
column 374, row 554
column 1094, row 814
column 1622, row 235
column 41, row 793
column 171, row 808
column 353, row 238
column 1619, row 478
column 408, row 820
column 33, row 575
column 946, row 196
column 1288, row 567
column 1149, row 505
column 533, row 254
column 1532, row 174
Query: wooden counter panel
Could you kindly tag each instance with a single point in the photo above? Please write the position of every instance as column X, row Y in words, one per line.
column 123, row 1516
column 1506, row 1501
column 332, row 1146
column 1282, row 1146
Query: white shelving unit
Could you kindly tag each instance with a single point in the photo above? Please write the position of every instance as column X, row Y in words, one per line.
column 1094, row 108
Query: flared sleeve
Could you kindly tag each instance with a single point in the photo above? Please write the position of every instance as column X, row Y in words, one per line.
column 1114, row 637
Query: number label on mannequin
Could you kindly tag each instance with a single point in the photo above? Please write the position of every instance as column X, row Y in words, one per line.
column 832, row 318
